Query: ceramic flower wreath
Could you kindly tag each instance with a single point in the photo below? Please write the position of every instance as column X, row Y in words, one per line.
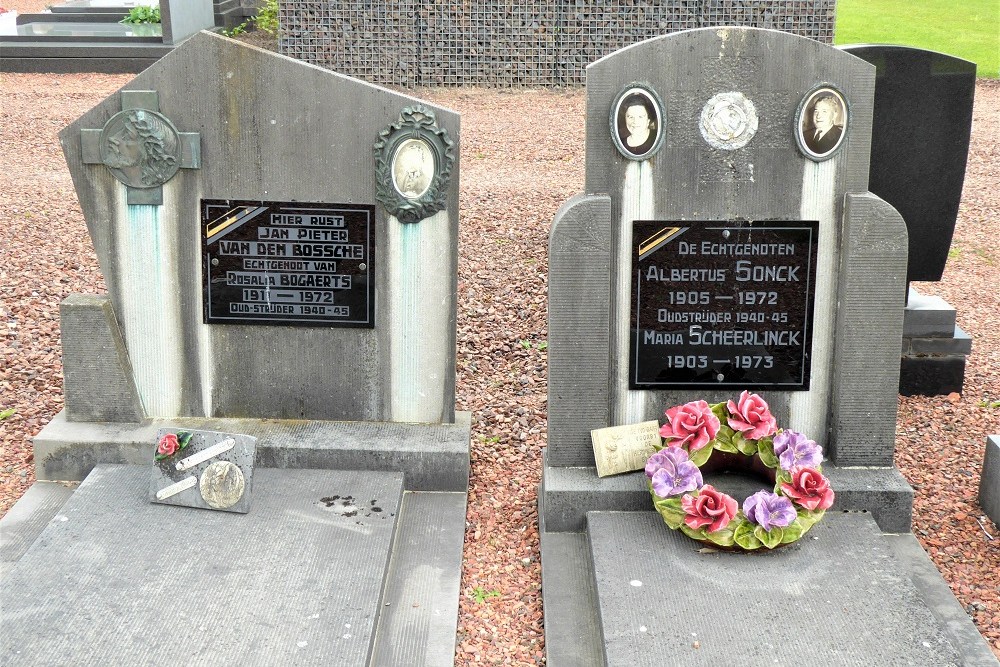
column 736, row 435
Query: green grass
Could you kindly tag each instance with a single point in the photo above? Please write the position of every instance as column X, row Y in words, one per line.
column 968, row 29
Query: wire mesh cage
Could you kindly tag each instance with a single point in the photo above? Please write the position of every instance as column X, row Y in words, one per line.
column 512, row 43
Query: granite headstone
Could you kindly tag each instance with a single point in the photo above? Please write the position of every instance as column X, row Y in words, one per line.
column 765, row 136
column 279, row 244
column 921, row 124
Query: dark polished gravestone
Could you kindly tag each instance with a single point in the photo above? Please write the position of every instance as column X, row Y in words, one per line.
column 270, row 234
column 921, row 125
column 728, row 240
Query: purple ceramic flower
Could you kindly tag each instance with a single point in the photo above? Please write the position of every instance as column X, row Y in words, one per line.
column 795, row 450
column 672, row 473
column 769, row 510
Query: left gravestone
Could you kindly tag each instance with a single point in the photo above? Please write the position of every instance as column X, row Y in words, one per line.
column 279, row 244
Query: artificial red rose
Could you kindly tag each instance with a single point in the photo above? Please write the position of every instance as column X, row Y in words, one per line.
column 691, row 424
column 752, row 417
column 709, row 508
column 168, row 445
column 809, row 489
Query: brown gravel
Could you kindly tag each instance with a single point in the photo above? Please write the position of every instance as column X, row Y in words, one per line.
column 510, row 191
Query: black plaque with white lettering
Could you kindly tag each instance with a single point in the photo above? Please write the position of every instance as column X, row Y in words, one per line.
column 291, row 263
column 723, row 304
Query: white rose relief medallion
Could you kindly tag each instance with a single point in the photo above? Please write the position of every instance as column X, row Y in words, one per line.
column 728, row 121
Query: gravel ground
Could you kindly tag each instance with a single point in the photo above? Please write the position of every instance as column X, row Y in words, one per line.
column 505, row 217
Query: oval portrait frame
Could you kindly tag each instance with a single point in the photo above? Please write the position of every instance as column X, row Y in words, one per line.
column 616, row 120
column 803, row 120
column 415, row 133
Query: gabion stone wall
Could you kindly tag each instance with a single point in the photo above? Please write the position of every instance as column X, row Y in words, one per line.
column 510, row 43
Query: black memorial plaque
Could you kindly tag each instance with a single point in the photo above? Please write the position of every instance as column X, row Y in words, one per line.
column 290, row 263
column 726, row 304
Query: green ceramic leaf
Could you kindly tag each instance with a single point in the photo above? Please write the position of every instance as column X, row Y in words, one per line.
column 700, row 456
column 782, row 476
column 765, row 447
column 807, row 519
column 159, row 457
column 744, row 536
column 769, row 538
column 725, row 444
column 183, row 438
column 748, row 447
column 792, row 532
column 692, row 533
column 724, row 536
column 669, row 509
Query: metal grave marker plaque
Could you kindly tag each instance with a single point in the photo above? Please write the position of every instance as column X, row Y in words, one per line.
column 291, row 263
column 722, row 303
column 204, row 469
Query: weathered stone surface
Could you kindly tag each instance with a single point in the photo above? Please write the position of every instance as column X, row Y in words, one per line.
column 97, row 374
column 433, row 457
column 297, row 579
column 579, row 289
column 28, row 517
column 838, row 596
column 869, row 333
column 272, row 129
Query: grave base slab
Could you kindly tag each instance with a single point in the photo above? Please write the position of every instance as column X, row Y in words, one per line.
column 114, row 579
column 569, row 493
column 434, row 456
column 845, row 594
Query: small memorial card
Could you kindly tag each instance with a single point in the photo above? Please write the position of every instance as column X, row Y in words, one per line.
column 203, row 469
column 619, row 449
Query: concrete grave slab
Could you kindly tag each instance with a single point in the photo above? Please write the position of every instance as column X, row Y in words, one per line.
column 115, row 579
column 28, row 517
column 837, row 597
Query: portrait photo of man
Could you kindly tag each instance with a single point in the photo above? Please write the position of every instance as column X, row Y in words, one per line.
column 822, row 124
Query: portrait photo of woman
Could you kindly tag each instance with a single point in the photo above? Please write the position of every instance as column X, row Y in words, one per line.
column 822, row 123
column 636, row 123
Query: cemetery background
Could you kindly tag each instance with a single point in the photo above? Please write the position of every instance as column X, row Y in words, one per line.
column 45, row 255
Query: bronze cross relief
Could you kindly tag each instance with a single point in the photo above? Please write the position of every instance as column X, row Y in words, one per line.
column 141, row 147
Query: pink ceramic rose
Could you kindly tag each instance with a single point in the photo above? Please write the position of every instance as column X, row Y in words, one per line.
column 809, row 489
column 691, row 424
column 752, row 417
column 168, row 445
column 709, row 508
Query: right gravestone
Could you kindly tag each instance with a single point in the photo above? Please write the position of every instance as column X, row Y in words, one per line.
column 921, row 126
column 727, row 240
